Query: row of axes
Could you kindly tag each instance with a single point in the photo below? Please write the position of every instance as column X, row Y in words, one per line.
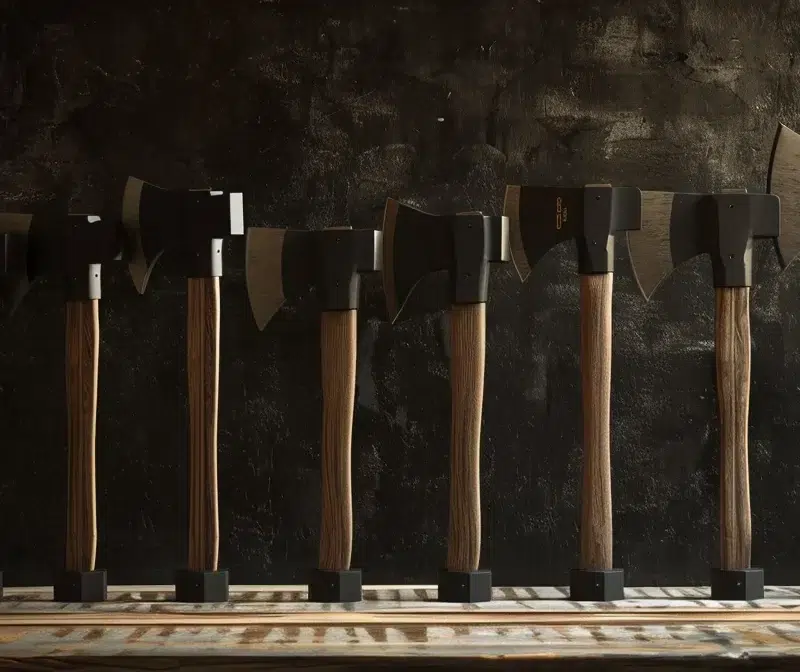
column 185, row 229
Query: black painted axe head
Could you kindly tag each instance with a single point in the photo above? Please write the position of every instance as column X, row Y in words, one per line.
column 188, row 224
column 283, row 264
column 679, row 226
column 416, row 243
column 783, row 180
column 15, row 273
column 542, row 217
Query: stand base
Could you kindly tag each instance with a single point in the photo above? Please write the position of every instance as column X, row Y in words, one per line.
column 73, row 586
column 737, row 584
column 465, row 586
column 328, row 585
column 596, row 585
column 200, row 586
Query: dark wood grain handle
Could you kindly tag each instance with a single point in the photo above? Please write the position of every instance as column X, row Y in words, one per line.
column 203, row 369
column 82, row 355
column 338, row 345
column 467, row 364
column 596, row 533
column 733, row 395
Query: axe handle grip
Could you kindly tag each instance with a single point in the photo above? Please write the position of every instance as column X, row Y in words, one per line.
column 82, row 355
column 338, row 346
column 202, row 337
column 733, row 395
column 467, row 364
column 596, row 532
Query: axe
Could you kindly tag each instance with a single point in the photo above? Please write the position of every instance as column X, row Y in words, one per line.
column 677, row 227
column 283, row 264
column 417, row 243
column 72, row 248
column 185, row 229
column 540, row 218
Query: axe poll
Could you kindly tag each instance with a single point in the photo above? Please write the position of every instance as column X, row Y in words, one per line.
column 416, row 243
column 281, row 265
column 71, row 248
column 539, row 219
column 675, row 228
column 185, row 228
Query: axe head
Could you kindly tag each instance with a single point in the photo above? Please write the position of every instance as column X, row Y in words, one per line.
column 542, row 217
column 189, row 224
column 416, row 243
column 16, row 274
column 783, row 180
column 282, row 264
column 679, row 226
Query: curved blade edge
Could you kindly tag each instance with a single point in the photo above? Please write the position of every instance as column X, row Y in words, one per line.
column 511, row 210
column 264, row 272
column 138, row 267
column 783, row 180
column 649, row 248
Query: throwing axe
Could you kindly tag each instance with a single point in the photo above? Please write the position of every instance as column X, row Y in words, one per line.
column 417, row 243
column 72, row 248
column 675, row 228
column 185, row 229
column 540, row 218
column 283, row 264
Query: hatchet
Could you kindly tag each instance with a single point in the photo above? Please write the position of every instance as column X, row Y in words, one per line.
column 185, row 229
column 415, row 244
column 675, row 228
column 540, row 218
column 283, row 264
column 72, row 248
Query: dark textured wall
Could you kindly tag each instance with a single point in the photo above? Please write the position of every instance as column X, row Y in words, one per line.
column 318, row 111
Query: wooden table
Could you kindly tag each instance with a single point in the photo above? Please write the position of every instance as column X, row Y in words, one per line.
column 268, row 628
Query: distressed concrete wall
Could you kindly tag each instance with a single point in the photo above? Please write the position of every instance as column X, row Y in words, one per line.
column 318, row 111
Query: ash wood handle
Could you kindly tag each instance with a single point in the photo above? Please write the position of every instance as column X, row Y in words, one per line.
column 467, row 364
column 203, row 369
column 338, row 345
column 82, row 358
column 596, row 533
column 733, row 395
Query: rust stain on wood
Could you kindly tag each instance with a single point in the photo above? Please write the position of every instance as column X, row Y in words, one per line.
column 377, row 633
column 255, row 634
column 93, row 634
column 137, row 634
column 290, row 635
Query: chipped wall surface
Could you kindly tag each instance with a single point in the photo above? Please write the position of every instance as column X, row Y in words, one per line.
column 318, row 111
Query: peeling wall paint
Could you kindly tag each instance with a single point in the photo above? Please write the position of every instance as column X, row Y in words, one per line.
column 318, row 111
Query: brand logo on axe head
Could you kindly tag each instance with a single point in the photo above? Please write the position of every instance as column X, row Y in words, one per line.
column 561, row 213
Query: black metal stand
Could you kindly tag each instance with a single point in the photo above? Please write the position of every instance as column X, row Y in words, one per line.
column 465, row 586
column 327, row 585
column 200, row 586
column 737, row 584
column 596, row 585
column 73, row 586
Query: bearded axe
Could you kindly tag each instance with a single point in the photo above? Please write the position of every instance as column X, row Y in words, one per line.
column 185, row 229
column 72, row 248
column 283, row 264
column 415, row 244
column 675, row 228
column 540, row 218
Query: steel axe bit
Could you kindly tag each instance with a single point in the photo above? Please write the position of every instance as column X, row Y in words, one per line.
column 540, row 218
column 283, row 264
column 417, row 243
column 184, row 228
column 675, row 228
column 72, row 248
column 783, row 180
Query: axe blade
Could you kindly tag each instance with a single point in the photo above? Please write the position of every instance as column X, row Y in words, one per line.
column 783, row 180
column 139, row 265
column 650, row 248
column 264, row 272
column 415, row 243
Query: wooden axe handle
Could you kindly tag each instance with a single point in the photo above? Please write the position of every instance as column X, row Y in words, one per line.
column 596, row 551
column 338, row 345
column 467, row 363
column 202, row 337
column 82, row 355
column 733, row 394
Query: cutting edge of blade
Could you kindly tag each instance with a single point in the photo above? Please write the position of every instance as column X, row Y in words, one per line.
column 793, row 139
column 262, row 314
column 138, row 267
column 387, row 257
column 517, row 247
column 665, row 198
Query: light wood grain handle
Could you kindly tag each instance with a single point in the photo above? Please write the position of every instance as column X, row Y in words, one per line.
column 338, row 345
column 733, row 395
column 82, row 355
column 596, row 533
column 467, row 364
column 203, row 368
